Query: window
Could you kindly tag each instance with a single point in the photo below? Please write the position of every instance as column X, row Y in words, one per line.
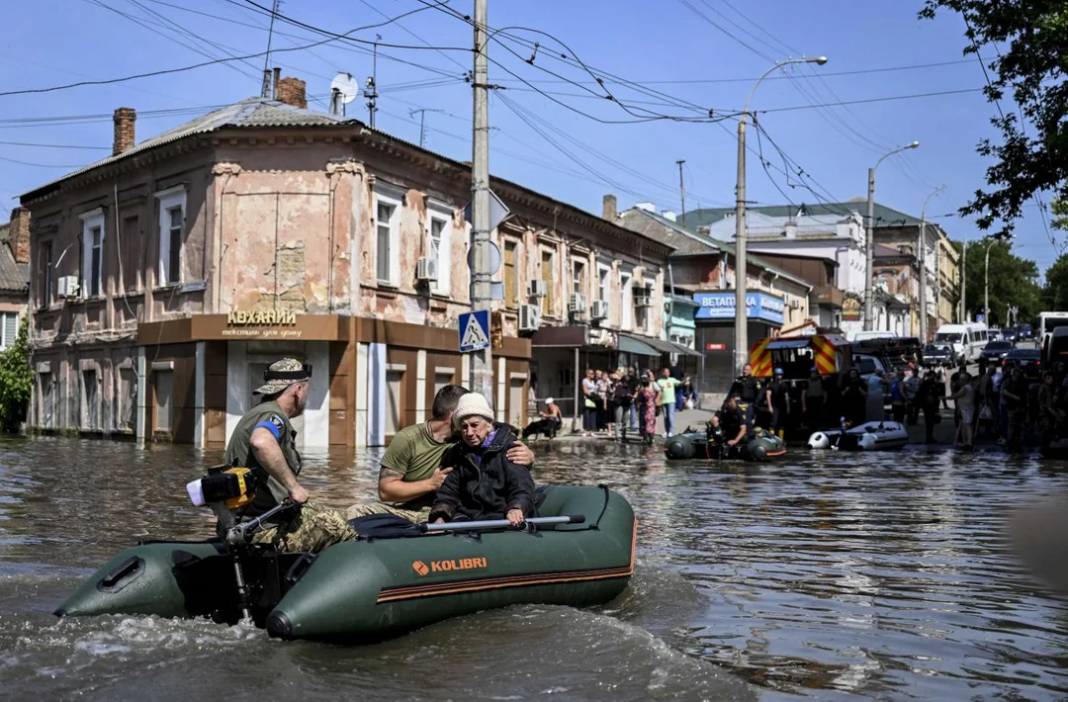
column 9, row 328
column 44, row 295
column 603, row 273
column 626, row 303
column 131, row 263
column 92, row 253
column 642, row 316
column 387, row 214
column 46, row 409
column 440, row 247
column 547, row 278
column 126, row 402
column 89, row 400
column 511, row 277
column 164, row 387
column 578, row 277
column 171, row 229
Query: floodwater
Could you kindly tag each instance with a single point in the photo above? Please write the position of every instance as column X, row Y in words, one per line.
column 829, row 576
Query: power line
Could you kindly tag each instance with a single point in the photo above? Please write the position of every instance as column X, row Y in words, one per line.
column 54, row 146
column 181, row 69
column 889, row 98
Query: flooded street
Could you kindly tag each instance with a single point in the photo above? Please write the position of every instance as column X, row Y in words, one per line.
column 829, row 576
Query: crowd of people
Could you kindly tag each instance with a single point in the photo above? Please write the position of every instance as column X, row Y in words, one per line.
column 626, row 399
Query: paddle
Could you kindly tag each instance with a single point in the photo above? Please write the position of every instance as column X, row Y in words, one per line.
column 499, row 523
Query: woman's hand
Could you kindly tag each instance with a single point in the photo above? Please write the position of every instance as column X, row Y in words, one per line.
column 515, row 517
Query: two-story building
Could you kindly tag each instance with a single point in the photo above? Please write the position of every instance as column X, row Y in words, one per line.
column 14, row 274
column 169, row 275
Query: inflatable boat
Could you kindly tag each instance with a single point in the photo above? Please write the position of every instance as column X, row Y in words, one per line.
column 695, row 444
column 376, row 587
column 870, row 436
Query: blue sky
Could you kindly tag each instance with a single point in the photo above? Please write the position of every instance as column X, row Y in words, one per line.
column 674, row 57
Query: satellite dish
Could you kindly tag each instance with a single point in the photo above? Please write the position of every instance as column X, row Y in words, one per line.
column 345, row 86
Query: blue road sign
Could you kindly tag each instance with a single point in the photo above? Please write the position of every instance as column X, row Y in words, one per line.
column 474, row 331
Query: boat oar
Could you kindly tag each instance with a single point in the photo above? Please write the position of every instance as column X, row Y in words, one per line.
column 499, row 523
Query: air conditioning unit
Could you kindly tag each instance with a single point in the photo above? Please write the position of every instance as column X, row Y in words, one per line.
column 643, row 298
column 529, row 318
column 426, row 269
column 599, row 309
column 537, row 288
column 576, row 304
column 67, row 286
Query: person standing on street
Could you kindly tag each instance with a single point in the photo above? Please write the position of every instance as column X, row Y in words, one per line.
column 812, row 400
column 747, row 388
column 622, row 399
column 265, row 442
column 779, row 403
column 667, row 385
column 645, row 401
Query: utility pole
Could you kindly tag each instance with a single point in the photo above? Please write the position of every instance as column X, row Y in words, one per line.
column 921, row 249
column 869, row 292
column 963, row 283
column 741, row 314
column 481, row 361
column 682, row 193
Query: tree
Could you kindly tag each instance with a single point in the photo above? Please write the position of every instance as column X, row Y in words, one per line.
column 16, row 379
column 1013, row 281
column 1055, row 294
column 1030, row 40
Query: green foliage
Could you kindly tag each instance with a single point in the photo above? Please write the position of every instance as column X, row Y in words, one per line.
column 1013, row 281
column 16, row 379
column 1060, row 213
column 1030, row 40
column 1055, row 294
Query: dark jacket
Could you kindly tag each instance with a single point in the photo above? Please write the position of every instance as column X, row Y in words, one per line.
column 486, row 489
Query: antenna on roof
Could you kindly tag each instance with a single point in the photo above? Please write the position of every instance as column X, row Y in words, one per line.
column 343, row 90
column 371, row 91
column 265, row 88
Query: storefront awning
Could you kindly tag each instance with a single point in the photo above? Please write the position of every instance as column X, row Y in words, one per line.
column 788, row 344
column 671, row 347
column 642, row 347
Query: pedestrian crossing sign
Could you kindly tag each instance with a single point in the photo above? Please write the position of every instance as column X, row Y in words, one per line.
column 474, row 331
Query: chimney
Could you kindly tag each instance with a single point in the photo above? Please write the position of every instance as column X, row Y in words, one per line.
column 291, row 92
column 125, row 136
column 18, row 237
column 609, row 210
column 274, row 86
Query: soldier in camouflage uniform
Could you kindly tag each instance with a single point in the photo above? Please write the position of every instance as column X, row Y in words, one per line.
column 265, row 441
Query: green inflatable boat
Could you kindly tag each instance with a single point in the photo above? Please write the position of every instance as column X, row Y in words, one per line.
column 373, row 588
column 695, row 444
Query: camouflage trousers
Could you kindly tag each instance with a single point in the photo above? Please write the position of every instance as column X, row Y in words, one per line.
column 366, row 509
column 313, row 530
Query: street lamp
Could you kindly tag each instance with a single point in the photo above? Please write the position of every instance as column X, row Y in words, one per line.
column 741, row 319
column 986, row 281
column 921, row 250
column 868, row 291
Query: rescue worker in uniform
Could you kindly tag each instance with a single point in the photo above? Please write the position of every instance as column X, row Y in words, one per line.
column 733, row 421
column 747, row 389
column 265, row 442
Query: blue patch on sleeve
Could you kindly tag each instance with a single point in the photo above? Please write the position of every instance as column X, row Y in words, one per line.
column 274, row 428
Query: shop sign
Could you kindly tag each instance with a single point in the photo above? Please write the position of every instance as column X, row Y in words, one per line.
column 261, row 318
column 851, row 308
column 758, row 306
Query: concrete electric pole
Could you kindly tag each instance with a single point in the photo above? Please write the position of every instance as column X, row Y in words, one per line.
column 682, row 192
column 921, row 249
column 481, row 293
column 869, row 292
column 741, row 314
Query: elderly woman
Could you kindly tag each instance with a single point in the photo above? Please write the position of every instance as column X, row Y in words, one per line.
column 482, row 483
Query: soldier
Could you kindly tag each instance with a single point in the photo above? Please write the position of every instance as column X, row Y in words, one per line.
column 747, row 389
column 265, row 442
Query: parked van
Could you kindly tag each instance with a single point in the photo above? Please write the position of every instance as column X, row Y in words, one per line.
column 967, row 340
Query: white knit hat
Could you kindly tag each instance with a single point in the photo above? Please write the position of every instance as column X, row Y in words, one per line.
column 469, row 405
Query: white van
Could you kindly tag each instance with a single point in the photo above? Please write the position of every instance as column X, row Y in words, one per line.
column 967, row 340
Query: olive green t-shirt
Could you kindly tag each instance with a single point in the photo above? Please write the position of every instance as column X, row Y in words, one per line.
column 413, row 454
